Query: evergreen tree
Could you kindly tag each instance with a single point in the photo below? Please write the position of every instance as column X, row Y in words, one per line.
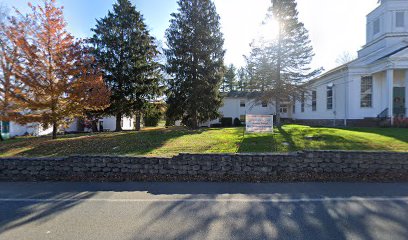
column 283, row 64
column 261, row 64
column 195, row 62
column 128, row 56
column 242, row 80
column 230, row 81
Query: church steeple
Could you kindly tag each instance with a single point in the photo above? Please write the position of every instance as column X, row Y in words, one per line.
column 386, row 25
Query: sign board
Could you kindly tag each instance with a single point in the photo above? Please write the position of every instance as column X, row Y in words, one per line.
column 259, row 123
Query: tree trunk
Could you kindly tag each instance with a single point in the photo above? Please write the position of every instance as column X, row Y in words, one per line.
column 138, row 118
column 81, row 125
column 118, row 122
column 194, row 123
column 94, row 124
column 278, row 118
column 279, row 78
column 54, row 130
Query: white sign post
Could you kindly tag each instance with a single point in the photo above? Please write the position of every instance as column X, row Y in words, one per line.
column 259, row 123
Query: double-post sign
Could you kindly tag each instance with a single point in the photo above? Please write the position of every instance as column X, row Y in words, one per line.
column 259, row 123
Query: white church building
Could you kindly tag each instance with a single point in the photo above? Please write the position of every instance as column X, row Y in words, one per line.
column 359, row 93
column 373, row 86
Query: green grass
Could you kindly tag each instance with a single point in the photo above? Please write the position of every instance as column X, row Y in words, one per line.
column 169, row 142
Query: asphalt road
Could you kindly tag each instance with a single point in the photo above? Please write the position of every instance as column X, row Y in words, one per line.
column 203, row 211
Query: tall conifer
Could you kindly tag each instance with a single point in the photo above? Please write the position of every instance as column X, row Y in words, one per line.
column 128, row 55
column 195, row 62
column 282, row 65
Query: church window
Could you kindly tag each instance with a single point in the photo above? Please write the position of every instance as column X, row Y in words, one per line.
column 376, row 26
column 399, row 19
column 366, row 92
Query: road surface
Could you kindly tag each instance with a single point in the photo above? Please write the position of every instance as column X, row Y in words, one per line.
column 203, row 211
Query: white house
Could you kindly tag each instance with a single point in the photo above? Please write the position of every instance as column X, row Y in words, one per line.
column 238, row 104
column 374, row 85
column 12, row 129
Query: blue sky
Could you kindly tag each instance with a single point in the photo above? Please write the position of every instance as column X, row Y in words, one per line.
column 335, row 26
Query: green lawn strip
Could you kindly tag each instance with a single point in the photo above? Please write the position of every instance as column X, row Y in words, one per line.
column 172, row 141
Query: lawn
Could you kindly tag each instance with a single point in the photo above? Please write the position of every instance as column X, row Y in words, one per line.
column 171, row 141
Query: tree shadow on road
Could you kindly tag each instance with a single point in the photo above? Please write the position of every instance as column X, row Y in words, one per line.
column 17, row 213
column 253, row 220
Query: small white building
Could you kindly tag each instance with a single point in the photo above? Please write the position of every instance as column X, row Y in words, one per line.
column 373, row 86
column 239, row 104
column 12, row 129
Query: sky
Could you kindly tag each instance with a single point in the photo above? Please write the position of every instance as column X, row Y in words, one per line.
column 335, row 26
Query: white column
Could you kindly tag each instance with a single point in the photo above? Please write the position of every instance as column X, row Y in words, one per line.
column 406, row 92
column 390, row 94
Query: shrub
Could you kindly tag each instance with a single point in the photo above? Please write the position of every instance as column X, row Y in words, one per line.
column 226, row 122
column 152, row 116
column 401, row 122
column 237, row 122
column 215, row 125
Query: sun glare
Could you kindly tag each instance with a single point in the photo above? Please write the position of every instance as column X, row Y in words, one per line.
column 269, row 30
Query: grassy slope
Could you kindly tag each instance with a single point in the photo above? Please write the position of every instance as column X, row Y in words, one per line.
column 168, row 142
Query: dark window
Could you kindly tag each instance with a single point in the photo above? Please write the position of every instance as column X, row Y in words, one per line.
column 376, row 26
column 283, row 108
column 399, row 19
column 314, row 100
column 302, row 103
column 329, row 98
column 242, row 118
column 5, row 127
column 264, row 104
column 294, row 108
column 366, row 92
column 242, row 103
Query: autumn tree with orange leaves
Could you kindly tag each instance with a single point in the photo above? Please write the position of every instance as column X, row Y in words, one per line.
column 8, row 59
column 58, row 79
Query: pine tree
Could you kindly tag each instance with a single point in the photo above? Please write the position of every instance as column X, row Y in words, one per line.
column 284, row 63
column 230, row 81
column 242, row 83
column 128, row 56
column 195, row 62
column 54, row 80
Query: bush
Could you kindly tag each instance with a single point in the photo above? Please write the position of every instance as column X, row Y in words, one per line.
column 215, row 125
column 152, row 116
column 226, row 122
column 401, row 122
column 237, row 122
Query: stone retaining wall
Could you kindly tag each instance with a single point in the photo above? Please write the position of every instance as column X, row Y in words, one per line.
column 301, row 166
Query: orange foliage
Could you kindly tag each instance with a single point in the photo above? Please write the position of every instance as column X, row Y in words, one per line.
column 59, row 79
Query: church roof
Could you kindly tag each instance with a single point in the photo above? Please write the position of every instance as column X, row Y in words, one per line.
column 391, row 54
column 241, row 94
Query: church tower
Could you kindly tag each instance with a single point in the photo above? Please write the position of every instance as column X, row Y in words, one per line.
column 387, row 26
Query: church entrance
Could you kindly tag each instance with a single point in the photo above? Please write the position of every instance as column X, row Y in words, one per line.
column 399, row 101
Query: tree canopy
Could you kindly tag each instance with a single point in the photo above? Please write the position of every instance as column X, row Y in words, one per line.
column 279, row 67
column 53, row 79
column 195, row 62
column 128, row 56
